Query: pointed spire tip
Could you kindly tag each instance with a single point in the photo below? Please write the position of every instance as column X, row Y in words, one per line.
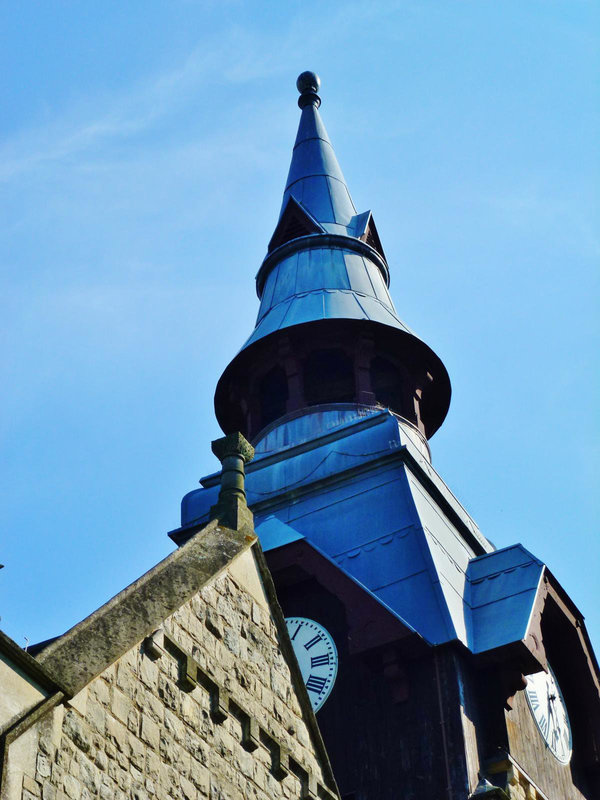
column 308, row 84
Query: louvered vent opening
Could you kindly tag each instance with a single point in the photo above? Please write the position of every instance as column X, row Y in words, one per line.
column 294, row 223
column 371, row 239
column 295, row 228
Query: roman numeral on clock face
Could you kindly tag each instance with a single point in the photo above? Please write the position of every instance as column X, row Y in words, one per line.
column 315, row 640
column 316, row 655
column 315, row 684
column 534, row 699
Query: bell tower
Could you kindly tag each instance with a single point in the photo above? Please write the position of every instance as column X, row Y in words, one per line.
column 439, row 666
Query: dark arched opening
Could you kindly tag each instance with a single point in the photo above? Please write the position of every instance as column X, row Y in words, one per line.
column 328, row 377
column 273, row 395
column 386, row 383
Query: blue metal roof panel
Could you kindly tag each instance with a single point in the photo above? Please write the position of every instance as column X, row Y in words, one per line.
column 313, row 157
column 313, row 305
column 304, row 276
column 381, row 291
column 303, row 428
column 502, row 622
column 450, row 555
column 416, row 601
column 310, row 126
column 377, row 312
column 273, row 533
column 309, row 466
column 334, row 227
column 338, row 304
column 501, row 593
column 357, row 272
column 343, row 207
column 286, row 279
column 509, row 582
column 304, row 308
column 266, row 300
column 329, row 268
column 272, row 321
column 513, row 556
column 385, row 560
column 315, row 178
column 383, row 528
column 313, row 193
column 338, row 266
column 359, row 223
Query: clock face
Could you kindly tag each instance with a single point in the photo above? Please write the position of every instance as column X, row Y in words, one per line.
column 550, row 713
column 317, row 657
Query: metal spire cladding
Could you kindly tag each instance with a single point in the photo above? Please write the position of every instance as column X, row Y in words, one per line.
column 327, row 332
column 315, row 179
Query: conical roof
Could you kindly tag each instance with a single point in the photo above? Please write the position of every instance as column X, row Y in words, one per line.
column 315, row 179
column 325, row 266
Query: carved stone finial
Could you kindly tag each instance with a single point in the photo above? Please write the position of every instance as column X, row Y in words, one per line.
column 231, row 509
column 308, row 84
column 231, row 445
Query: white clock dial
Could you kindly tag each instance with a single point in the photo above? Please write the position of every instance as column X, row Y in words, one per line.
column 317, row 657
column 550, row 713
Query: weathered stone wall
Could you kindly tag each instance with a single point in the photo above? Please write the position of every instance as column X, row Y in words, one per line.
column 205, row 710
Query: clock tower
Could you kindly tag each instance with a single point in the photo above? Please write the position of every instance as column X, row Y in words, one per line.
column 440, row 667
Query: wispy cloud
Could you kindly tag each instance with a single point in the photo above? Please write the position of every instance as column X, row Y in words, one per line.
column 239, row 56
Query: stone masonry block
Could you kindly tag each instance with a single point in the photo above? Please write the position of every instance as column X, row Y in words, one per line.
column 72, row 787
column 149, row 673
column 77, row 731
column 188, row 789
column 200, row 776
column 96, row 716
column 120, row 705
column 133, row 720
column 50, row 792
column 101, row 691
column 88, row 775
column 150, row 732
column 117, row 734
column 29, row 785
column 152, row 765
column 138, row 752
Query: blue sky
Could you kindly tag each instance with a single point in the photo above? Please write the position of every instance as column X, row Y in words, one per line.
column 143, row 154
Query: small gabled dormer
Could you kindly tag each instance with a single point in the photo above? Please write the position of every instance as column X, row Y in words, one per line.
column 366, row 230
column 293, row 223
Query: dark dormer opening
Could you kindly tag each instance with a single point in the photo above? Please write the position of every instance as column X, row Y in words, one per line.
column 273, row 395
column 294, row 222
column 386, row 383
column 371, row 237
column 328, row 377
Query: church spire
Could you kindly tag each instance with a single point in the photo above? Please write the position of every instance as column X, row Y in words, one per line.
column 315, row 179
column 327, row 333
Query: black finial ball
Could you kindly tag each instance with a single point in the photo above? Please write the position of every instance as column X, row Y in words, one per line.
column 308, row 82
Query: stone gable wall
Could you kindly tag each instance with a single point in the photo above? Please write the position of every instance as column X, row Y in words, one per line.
column 206, row 709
